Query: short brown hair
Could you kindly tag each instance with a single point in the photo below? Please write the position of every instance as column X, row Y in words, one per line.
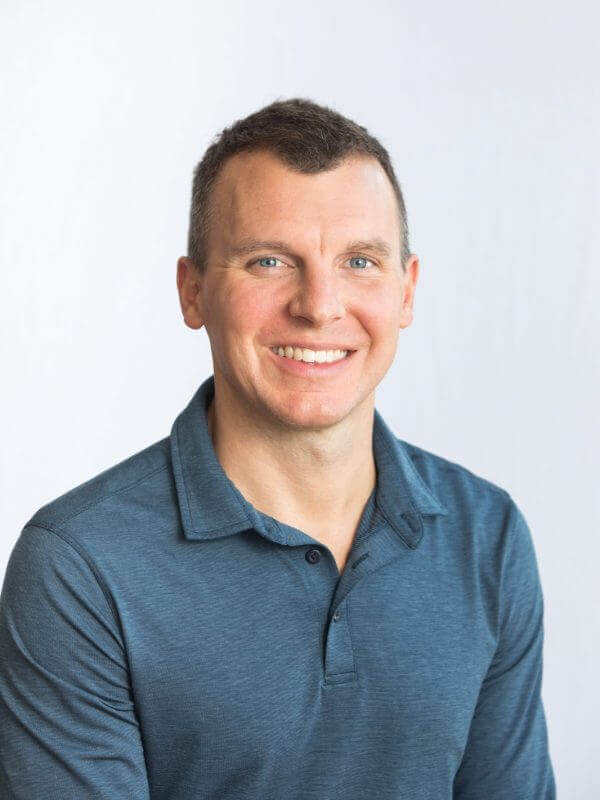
column 308, row 137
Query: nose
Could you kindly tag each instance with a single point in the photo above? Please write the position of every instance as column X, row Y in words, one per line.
column 317, row 296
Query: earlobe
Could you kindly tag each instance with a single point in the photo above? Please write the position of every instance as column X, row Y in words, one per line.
column 191, row 318
column 406, row 315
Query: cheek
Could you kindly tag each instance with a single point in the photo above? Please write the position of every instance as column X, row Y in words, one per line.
column 240, row 311
column 379, row 310
column 253, row 305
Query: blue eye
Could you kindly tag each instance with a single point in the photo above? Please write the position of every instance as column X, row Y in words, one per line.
column 360, row 258
column 267, row 258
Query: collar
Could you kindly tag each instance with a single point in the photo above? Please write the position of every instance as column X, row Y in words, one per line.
column 211, row 506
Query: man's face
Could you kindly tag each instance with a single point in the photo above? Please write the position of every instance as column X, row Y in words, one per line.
column 315, row 286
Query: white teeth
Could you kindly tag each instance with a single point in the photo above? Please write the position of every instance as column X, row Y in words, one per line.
column 310, row 356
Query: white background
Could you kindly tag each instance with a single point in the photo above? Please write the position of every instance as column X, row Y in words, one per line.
column 491, row 115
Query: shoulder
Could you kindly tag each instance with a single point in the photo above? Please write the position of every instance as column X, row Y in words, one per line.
column 441, row 470
column 121, row 497
column 469, row 498
column 482, row 524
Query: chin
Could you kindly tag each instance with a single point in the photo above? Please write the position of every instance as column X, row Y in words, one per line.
column 317, row 413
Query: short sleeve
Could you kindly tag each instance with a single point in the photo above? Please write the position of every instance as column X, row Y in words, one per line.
column 507, row 756
column 68, row 726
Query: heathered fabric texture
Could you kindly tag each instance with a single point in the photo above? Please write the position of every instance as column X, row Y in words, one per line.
column 161, row 638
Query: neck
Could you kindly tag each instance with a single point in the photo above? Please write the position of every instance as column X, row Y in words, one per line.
column 317, row 481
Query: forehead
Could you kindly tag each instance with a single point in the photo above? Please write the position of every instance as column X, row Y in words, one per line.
column 256, row 193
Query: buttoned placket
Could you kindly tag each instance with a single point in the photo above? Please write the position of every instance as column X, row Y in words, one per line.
column 329, row 592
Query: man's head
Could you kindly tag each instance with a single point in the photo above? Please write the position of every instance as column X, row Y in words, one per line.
column 311, row 258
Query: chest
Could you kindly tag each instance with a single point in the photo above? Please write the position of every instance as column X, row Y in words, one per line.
column 245, row 665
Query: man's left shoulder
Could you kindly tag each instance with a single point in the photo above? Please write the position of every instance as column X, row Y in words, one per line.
column 464, row 494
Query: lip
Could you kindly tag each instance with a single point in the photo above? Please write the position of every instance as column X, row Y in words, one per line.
column 308, row 369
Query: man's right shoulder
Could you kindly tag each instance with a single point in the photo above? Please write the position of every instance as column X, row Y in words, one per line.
column 126, row 492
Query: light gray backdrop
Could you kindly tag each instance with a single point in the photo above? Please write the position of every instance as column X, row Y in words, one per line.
column 490, row 112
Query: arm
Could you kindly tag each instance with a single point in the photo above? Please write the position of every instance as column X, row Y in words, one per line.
column 506, row 756
column 68, row 727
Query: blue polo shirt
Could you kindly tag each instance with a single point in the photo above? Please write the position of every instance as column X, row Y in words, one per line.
column 161, row 638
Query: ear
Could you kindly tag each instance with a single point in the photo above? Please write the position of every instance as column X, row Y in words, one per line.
column 409, row 285
column 189, row 286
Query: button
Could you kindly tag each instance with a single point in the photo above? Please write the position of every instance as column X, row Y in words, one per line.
column 413, row 521
column 313, row 556
column 336, row 616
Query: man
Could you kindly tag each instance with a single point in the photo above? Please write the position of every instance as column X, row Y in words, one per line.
column 281, row 599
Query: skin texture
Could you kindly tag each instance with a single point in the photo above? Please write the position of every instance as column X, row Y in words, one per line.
column 299, row 447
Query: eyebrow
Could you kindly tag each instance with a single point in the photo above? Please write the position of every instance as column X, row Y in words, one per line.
column 251, row 245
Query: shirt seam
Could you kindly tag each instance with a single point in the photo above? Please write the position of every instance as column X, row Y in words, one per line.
column 89, row 561
column 85, row 556
column 104, row 497
column 513, row 510
column 446, row 465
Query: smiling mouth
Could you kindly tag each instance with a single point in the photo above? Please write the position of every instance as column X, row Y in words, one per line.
column 311, row 356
